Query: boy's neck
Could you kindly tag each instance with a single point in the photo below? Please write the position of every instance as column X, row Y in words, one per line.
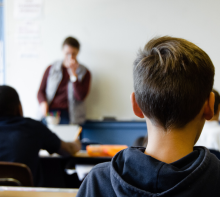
column 170, row 146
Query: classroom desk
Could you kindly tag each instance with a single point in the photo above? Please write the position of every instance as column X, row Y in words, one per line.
column 80, row 157
column 36, row 192
column 53, row 168
column 83, row 158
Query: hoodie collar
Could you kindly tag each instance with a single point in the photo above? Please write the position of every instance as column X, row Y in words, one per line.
column 133, row 172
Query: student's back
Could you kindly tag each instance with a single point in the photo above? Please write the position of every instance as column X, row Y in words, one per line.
column 173, row 81
column 22, row 138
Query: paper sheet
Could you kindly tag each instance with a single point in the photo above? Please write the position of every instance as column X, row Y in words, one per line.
column 27, row 30
column 67, row 133
column 27, row 39
column 28, row 9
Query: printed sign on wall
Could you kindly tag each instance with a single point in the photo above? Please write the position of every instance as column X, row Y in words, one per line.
column 28, row 9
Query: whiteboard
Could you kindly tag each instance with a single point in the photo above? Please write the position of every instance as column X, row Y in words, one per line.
column 110, row 33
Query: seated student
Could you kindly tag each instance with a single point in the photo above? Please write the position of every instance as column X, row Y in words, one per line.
column 21, row 138
column 210, row 136
column 173, row 81
column 141, row 141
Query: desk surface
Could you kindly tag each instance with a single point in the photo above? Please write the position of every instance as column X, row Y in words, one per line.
column 79, row 158
column 36, row 192
column 80, row 154
column 84, row 154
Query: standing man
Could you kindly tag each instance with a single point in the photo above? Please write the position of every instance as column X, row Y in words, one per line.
column 65, row 85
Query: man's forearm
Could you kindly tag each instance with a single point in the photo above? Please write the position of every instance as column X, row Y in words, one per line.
column 41, row 96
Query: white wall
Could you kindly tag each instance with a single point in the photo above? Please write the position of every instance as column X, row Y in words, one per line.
column 110, row 32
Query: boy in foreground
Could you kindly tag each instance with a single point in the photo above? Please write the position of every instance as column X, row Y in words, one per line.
column 173, row 81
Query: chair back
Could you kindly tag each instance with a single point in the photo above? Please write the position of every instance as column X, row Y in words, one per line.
column 15, row 174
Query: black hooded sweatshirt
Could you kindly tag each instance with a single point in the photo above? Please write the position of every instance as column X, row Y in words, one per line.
column 131, row 173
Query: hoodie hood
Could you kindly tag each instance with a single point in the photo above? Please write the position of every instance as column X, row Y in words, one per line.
column 131, row 173
column 134, row 173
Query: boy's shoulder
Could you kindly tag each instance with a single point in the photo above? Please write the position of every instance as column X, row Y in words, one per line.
column 100, row 172
column 28, row 119
column 112, row 178
column 34, row 126
column 97, row 182
column 32, row 122
column 101, row 166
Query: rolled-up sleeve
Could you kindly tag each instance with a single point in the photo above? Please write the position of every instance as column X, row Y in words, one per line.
column 41, row 95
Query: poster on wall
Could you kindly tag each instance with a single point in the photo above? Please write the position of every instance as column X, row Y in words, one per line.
column 28, row 9
column 27, row 39
column 28, row 15
column 27, row 30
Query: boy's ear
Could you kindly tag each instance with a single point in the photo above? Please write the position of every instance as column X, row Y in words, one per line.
column 209, row 107
column 136, row 109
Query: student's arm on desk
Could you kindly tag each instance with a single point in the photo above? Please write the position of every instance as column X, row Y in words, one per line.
column 53, row 144
column 69, row 148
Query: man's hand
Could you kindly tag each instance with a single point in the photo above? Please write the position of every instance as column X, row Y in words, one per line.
column 72, row 65
column 44, row 108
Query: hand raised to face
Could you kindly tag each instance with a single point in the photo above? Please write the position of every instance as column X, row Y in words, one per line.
column 72, row 66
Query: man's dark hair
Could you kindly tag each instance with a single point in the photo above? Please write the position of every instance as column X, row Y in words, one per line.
column 9, row 101
column 217, row 101
column 72, row 42
column 172, row 80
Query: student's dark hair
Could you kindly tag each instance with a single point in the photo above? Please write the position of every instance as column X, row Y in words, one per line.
column 73, row 42
column 9, row 101
column 217, row 101
column 141, row 141
column 172, row 80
